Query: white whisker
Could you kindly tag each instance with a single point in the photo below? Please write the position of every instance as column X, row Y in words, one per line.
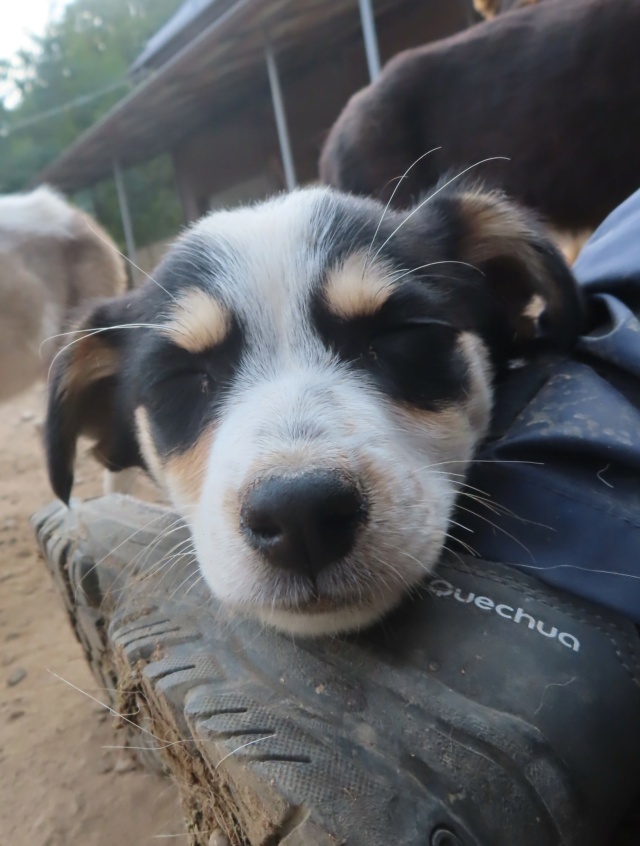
column 393, row 193
column 132, row 263
column 244, row 746
column 102, row 329
column 499, row 528
column 437, row 191
column 433, row 264
column 106, row 707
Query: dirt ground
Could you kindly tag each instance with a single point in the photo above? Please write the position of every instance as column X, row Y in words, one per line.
column 59, row 786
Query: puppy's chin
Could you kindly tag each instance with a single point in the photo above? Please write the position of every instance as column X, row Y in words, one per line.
column 308, row 622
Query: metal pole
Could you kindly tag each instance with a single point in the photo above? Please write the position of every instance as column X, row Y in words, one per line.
column 281, row 119
column 370, row 38
column 124, row 212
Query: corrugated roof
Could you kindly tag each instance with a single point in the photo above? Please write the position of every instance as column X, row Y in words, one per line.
column 219, row 68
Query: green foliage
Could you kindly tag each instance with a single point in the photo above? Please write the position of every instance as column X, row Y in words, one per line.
column 82, row 59
column 153, row 202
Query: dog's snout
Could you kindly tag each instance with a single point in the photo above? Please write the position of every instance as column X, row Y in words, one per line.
column 304, row 523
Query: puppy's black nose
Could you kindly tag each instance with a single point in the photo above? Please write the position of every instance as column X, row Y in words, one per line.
column 303, row 523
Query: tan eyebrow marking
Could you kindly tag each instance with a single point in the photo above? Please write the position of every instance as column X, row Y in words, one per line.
column 357, row 289
column 197, row 321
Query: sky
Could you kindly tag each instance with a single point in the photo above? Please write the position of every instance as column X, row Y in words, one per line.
column 19, row 18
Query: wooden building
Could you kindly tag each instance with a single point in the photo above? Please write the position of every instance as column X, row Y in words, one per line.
column 241, row 93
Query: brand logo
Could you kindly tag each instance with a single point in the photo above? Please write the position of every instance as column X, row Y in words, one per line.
column 442, row 588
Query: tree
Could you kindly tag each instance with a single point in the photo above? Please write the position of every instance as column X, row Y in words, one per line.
column 73, row 74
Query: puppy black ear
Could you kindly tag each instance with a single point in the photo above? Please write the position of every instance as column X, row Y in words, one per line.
column 85, row 396
column 533, row 298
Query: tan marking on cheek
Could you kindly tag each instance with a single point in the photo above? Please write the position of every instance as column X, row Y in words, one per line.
column 353, row 290
column 480, row 399
column 147, row 447
column 444, row 426
column 186, row 471
column 197, row 322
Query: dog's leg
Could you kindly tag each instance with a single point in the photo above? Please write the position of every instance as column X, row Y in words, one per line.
column 121, row 482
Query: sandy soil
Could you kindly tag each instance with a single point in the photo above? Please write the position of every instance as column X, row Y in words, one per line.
column 59, row 786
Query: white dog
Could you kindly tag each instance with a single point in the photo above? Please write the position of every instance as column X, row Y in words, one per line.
column 53, row 258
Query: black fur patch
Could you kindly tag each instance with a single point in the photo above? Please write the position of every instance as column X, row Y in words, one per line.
column 408, row 351
column 97, row 409
column 182, row 391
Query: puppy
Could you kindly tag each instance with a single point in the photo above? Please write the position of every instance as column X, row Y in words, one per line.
column 554, row 87
column 53, row 258
column 309, row 378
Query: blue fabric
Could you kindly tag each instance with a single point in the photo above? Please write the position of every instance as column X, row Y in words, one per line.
column 568, row 464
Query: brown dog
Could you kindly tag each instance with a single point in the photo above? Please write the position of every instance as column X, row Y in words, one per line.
column 554, row 87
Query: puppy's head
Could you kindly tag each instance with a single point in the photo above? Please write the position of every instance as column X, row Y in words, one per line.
column 309, row 379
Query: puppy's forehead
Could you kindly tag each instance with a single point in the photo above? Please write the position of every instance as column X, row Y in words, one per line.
column 270, row 259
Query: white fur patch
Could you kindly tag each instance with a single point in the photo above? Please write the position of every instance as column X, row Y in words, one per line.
column 40, row 280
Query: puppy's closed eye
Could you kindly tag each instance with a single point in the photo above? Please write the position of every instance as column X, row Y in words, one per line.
column 418, row 362
column 413, row 360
